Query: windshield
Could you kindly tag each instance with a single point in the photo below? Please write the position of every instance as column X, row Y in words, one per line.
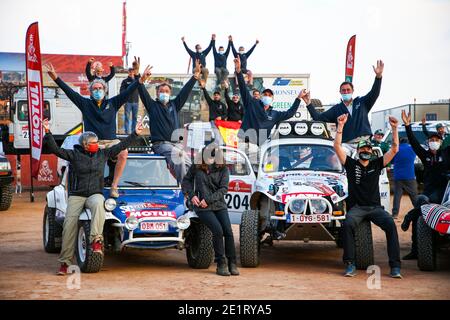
column 417, row 131
column 301, row 157
column 146, row 172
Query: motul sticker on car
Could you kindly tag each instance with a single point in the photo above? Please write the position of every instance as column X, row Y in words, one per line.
column 152, row 214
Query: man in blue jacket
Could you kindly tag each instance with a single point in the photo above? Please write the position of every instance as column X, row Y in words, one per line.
column 200, row 55
column 99, row 116
column 243, row 56
column 358, row 126
column 404, row 176
column 220, row 63
column 164, row 122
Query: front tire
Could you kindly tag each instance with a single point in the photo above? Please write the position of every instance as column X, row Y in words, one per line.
column 199, row 246
column 6, row 195
column 426, row 246
column 87, row 260
column 363, row 245
column 250, row 239
column 51, row 231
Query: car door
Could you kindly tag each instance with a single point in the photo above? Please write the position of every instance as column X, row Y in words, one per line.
column 241, row 185
column 385, row 190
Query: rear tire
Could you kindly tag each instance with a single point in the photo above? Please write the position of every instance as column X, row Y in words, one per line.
column 316, row 103
column 426, row 246
column 363, row 245
column 6, row 195
column 51, row 231
column 250, row 239
column 87, row 260
column 199, row 249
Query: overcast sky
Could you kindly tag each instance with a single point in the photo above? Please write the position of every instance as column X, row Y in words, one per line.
column 308, row 36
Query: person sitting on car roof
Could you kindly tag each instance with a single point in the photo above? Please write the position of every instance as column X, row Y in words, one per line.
column 435, row 182
column 363, row 200
column 164, row 122
column 99, row 116
column 85, row 189
column 358, row 126
column 94, row 70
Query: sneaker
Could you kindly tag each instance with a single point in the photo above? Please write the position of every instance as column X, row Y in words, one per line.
column 62, row 269
column 279, row 235
column 395, row 273
column 114, row 192
column 410, row 256
column 97, row 246
column 350, row 270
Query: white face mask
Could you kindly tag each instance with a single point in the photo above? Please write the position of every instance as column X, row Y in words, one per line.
column 434, row 145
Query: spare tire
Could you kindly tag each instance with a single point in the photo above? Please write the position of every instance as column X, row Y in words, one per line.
column 363, row 245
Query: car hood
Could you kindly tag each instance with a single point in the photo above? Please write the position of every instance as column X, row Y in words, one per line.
column 150, row 204
column 305, row 183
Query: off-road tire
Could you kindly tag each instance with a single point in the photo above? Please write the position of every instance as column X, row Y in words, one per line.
column 363, row 245
column 426, row 246
column 93, row 262
column 250, row 239
column 6, row 195
column 199, row 246
column 52, row 243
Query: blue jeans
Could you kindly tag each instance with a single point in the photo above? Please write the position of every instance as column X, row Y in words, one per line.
column 178, row 160
column 131, row 112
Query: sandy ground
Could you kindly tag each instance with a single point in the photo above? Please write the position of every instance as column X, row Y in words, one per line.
column 288, row 270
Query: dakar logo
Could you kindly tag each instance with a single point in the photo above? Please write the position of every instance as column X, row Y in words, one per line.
column 32, row 51
column 350, row 58
column 45, row 173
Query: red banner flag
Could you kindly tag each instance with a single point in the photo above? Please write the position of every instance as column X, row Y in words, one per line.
column 35, row 95
column 350, row 59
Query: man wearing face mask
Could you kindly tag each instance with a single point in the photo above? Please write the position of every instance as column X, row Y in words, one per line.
column 87, row 165
column 99, row 116
column 259, row 114
column 200, row 55
column 363, row 201
column 164, row 122
column 235, row 107
column 243, row 56
column 217, row 109
column 435, row 182
column 220, row 64
column 98, row 70
column 358, row 126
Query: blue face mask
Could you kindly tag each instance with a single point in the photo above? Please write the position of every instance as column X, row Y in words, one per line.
column 221, row 52
column 346, row 96
column 98, row 94
column 164, row 97
column 267, row 101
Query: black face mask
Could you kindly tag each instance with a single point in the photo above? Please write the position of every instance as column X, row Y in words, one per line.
column 365, row 155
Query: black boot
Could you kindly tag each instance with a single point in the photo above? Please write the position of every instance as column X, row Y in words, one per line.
column 232, row 266
column 222, row 267
column 406, row 222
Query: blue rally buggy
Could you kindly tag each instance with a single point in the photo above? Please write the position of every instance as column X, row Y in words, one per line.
column 149, row 214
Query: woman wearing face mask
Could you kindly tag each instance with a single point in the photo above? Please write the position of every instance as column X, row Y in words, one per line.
column 205, row 185
column 435, row 182
column 87, row 165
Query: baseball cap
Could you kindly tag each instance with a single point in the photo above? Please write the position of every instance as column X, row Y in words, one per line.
column 364, row 143
column 268, row 90
column 380, row 132
column 434, row 134
column 439, row 125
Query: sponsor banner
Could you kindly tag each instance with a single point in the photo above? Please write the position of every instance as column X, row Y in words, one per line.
column 350, row 59
column 35, row 95
column 239, row 186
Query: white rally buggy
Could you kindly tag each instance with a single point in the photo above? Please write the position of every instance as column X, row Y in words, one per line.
column 299, row 194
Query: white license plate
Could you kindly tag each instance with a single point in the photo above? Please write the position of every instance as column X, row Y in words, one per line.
column 314, row 218
column 154, row 226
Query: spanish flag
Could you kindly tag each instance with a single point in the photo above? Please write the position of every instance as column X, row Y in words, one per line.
column 229, row 131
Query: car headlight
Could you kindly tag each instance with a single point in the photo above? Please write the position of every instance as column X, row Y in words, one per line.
column 5, row 166
column 183, row 222
column 110, row 204
column 297, row 206
column 318, row 206
column 131, row 223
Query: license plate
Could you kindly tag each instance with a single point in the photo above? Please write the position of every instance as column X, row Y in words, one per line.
column 154, row 226
column 314, row 218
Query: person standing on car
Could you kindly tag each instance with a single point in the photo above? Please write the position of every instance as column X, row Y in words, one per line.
column 132, row 104
column 99, row 116
column 217, row 109
column 435, row 181
column 404, row 175
column 358, row 126
column 164, row 122
column 85, row 188
column 363, row 200
column 205, row 186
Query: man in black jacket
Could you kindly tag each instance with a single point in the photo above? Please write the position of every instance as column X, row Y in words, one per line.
column 235, row 107
column 217, row 109
column 165, row 126
column 132, row 104
column 200, row 55
column 85, row 189
column 98, row 71
column 435, row 182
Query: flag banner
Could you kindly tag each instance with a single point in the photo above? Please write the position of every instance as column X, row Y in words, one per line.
column 350, row 59
column 35, row 95
column 124, row 31
column 229, row 131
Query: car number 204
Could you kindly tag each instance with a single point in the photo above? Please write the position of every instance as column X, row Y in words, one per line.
column 237, row 201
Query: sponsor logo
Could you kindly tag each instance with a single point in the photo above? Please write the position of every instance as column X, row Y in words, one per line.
column 140, row 206
column 152, row 214
column 239, row 186
column 287, row 82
